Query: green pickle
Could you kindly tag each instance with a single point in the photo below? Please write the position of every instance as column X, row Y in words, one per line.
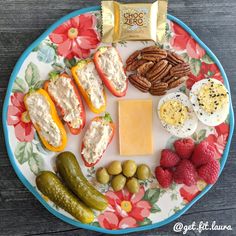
column 71, row 173
column 51, row 186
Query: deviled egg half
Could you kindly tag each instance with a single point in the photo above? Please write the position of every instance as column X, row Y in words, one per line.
column 210, row 100
column 177, row 115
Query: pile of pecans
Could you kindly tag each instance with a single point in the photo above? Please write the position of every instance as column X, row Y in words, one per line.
column 156, row 70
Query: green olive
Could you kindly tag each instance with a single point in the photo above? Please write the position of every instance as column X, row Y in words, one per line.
column 143, row 172
column 102, row 176
column 114, row 168
column 132, row 185
column 129, row 168
column 118, row 182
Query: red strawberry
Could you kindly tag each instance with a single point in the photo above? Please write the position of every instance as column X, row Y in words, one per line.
column 169, row 158
column 185, row 173
column 203, row 153
column 210, row 171
column 184, row 147
column 164, row 176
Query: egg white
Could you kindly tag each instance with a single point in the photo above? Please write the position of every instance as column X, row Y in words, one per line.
column 189, row 126
column 218, row 116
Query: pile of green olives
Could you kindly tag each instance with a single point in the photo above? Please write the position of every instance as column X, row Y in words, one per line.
column 124, row 174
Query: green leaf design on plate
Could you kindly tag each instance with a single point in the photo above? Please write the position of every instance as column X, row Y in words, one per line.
column 146, row 221
column 46, row 53
column 185, row 57
column 207, row 59
column 19, row 85
column 194, row 136
column 39, row 84
column 70, row 63
column 173, row 196
column 152, row 195
column 39, row 146
column 58, row 67
column 32, row 74
column 201, row 135
column 95, row 223
column 195, row 65
column 36, row 48
column 123, row 43
column 183, row 89
column 155, row 208
column 36, row 163
column 23, row 151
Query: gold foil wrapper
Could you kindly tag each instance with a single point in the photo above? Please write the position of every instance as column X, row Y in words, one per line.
column 133, row 21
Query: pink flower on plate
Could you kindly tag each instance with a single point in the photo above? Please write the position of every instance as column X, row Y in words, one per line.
column 125, row 210
column 18, row 117
column 219, row 139
column 76, row 37
column 182, row 40
column 207, row 71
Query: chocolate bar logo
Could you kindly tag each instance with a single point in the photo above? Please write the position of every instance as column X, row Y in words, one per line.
column 136, row 18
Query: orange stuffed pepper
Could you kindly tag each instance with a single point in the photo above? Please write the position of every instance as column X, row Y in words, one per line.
column 90, row 85
column 44, row 117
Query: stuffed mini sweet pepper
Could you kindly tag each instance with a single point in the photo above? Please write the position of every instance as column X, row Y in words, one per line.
column 110, row 68
column 96, row 139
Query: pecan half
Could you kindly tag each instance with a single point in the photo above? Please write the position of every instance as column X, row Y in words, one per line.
column 159, row 86
column 171, row 79
column 141, row 70
column 139, row 82
column 152, row 49
column 174, row 59
column 156, row 68
column 158, row 89
column 154, row 55
column 135, row 64
column 167, row 78
column 157, row 93
column 163, row 68
column 132, row 57
column 176, row 82
column 180, row 70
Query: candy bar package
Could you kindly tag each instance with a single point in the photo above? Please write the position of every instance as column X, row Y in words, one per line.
column 133, row 21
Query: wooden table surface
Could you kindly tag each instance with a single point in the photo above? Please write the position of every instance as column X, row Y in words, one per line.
column 21, row 22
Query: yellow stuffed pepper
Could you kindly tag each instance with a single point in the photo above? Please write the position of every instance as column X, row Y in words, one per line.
column 44, row 117
column 90, row 85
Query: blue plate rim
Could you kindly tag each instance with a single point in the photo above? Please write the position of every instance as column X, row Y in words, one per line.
column 33, row 190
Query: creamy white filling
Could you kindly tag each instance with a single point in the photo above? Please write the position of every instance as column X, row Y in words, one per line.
column 92, row 84
column 95, row 141
column 40, row 114
column 113, row 68
column 63, row 92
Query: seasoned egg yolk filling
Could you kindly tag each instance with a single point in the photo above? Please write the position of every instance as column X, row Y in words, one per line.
column 212, row 97
column 173, row 112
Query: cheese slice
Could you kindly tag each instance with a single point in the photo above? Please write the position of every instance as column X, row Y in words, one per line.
column 135, row 127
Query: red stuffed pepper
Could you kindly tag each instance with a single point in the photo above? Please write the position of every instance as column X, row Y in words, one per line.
column 110, row 68
column 65, row 95
column 96, row 139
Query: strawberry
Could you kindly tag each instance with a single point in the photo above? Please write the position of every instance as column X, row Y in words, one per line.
column 203, row 153
column 184, row 147
column 210, row 171
column 186, row 173
column 164, row 176
column 169, row 158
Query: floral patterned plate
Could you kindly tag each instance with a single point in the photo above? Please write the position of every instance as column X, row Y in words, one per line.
column 76, row 36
